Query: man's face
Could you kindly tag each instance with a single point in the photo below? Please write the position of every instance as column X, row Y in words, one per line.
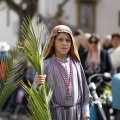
column 115, row 42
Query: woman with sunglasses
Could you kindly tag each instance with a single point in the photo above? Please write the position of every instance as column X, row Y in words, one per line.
column 96, row 60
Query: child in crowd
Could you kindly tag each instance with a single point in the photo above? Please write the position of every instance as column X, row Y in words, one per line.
column 63, row 70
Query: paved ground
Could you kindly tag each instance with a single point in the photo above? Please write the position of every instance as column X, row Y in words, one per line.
column 13, row 116
column 24, row 116
column 14, row 113
column 4, row 116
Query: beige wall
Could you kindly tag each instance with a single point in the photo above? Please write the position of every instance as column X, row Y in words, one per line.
column 70, row 9
column 107, row 17
column 46, row 8
column 51, row 8
column 8, row 33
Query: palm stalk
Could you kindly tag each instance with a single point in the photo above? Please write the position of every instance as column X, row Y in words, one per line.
column 38, row 99
column 11, row 75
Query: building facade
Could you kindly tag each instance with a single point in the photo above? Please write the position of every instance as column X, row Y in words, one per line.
column 99, row 16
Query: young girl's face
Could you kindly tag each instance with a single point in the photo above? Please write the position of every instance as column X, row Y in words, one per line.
column 62, row 45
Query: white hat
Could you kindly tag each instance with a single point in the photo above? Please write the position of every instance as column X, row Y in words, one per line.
column 4, row 46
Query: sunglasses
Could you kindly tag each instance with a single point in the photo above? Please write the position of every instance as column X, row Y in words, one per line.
column 93, row 42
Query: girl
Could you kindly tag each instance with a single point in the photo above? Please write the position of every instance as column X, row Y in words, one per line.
column 62, row 68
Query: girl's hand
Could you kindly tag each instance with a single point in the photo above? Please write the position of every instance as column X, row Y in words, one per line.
column 107, row 75
column 40, row 79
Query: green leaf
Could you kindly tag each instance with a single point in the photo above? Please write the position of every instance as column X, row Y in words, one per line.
column 14, row 71
column 38, row 100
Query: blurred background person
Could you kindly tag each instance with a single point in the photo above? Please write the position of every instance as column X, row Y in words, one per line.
column 96, row 60
column 116, row 78
column 4, row 53
column 4, row 50
column 107, row 43
column 85, row 42
column 115, row 52
column 78, row 37
column 81, row 40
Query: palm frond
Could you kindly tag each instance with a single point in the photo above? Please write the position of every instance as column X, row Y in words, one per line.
column 38, row 99
column 38, row 108
column 11, row 76
column 32, row 45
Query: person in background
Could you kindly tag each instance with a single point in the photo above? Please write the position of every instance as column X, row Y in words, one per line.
column 4, row 50
column 81, row 41
column 96, row 60
column 78, row 37
column 85, row 41
column 115, row 52
column 63, row 70
column 4, row 53
column 107, row 43
column 115, row 57
column 29, row 74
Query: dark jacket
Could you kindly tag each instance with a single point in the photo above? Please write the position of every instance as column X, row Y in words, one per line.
column 106, row 65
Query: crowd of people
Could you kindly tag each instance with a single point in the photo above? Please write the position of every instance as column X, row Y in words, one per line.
column 99, row 56
column 93, row 54
column 96, row 56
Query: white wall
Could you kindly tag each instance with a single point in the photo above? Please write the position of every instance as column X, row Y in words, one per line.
column 70, row 9
column 107, row 17
column 8, row 33
column 46, row 8
column 49, row 8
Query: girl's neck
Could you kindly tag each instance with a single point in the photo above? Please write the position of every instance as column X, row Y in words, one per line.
column 62, row 56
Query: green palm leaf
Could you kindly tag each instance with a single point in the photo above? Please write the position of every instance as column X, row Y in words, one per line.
column 11, row 76
column 38, row 99
column 38, row 109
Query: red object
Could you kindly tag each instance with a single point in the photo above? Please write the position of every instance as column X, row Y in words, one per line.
column 70, row 77
column 3, row 69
